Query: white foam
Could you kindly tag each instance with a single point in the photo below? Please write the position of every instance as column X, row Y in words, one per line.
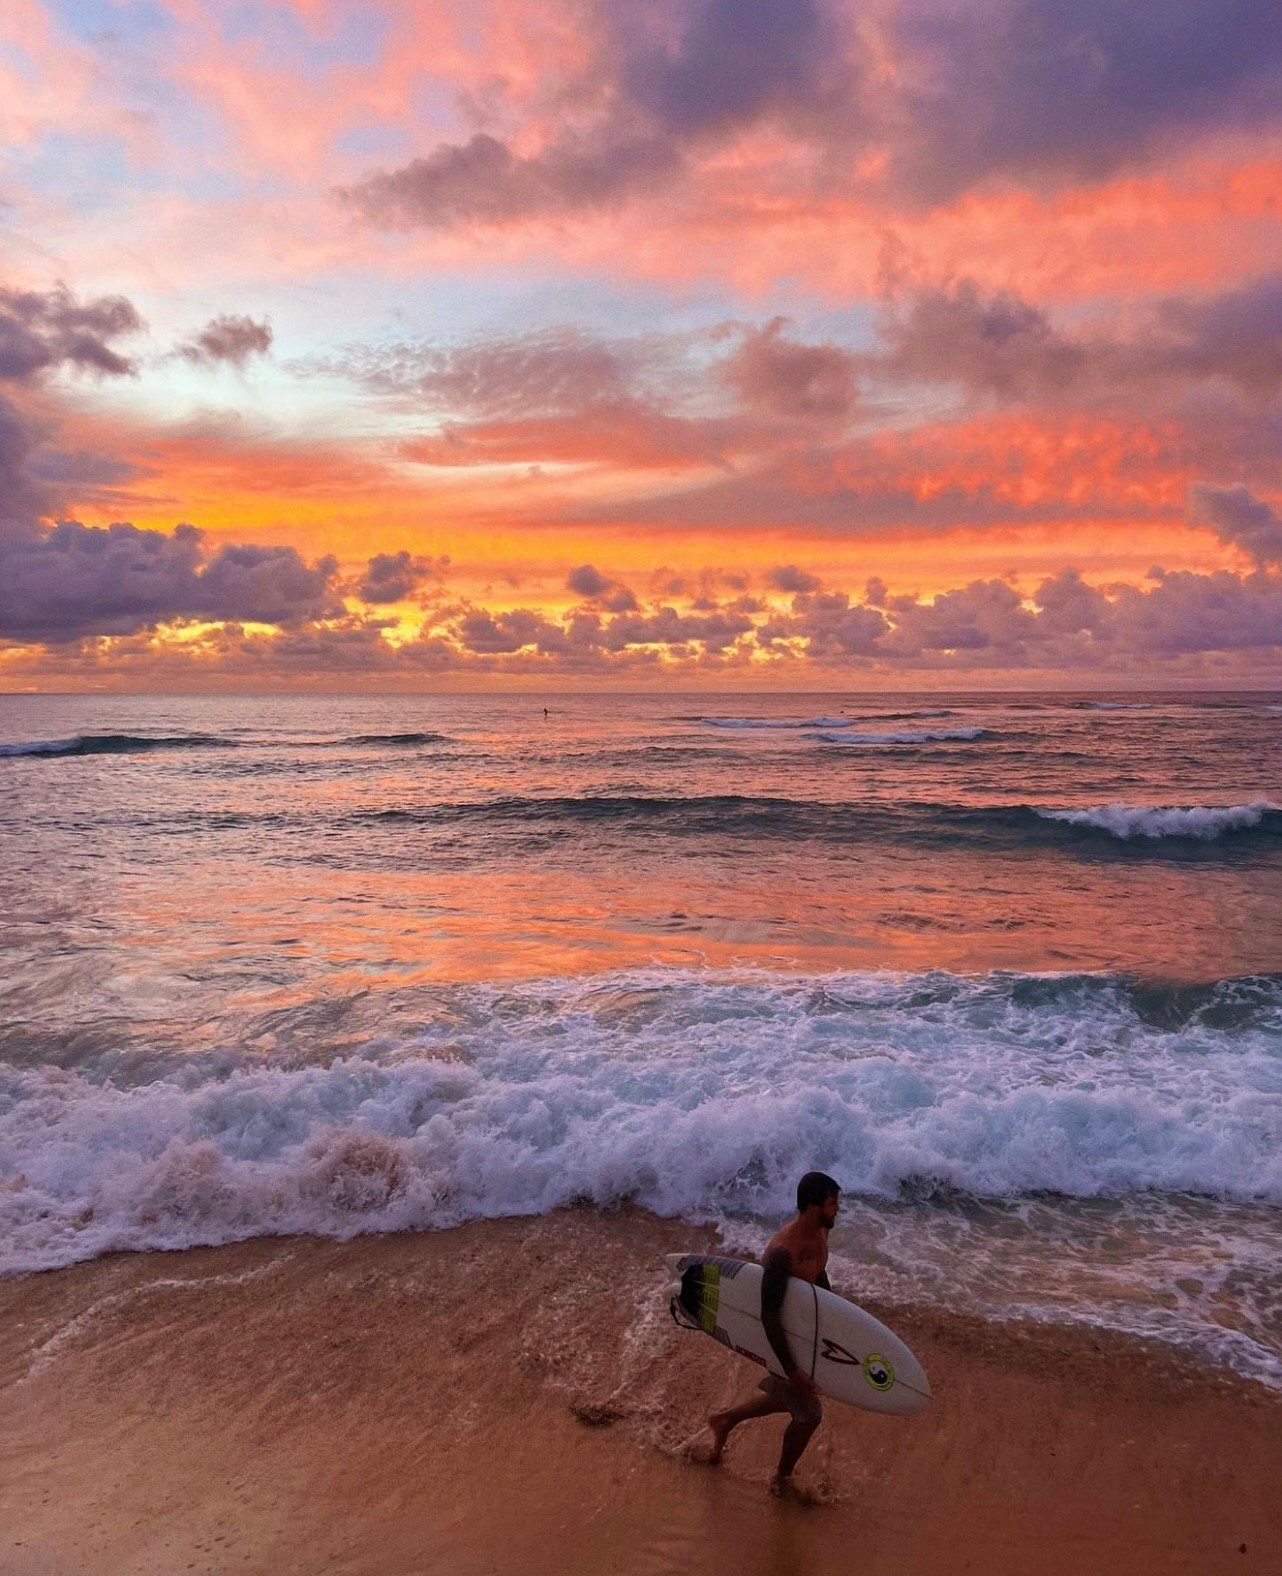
column 686, row 1093
column 49, row 1350
column 921, row 736
column 42, row 747
column 1134, row 820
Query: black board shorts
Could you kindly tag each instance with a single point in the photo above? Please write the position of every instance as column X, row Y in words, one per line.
column 804, row 1408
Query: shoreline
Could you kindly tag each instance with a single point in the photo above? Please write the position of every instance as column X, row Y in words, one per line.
column 511, row 1395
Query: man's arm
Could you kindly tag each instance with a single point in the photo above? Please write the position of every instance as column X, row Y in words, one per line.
column 777, row 1267
column 822, row 1281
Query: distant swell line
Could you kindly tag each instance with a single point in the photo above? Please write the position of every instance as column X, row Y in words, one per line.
column 775, row 817
column 147, row 743
column 394, row 740
column 1108, row 831
column 852, row 730
column 116, row 744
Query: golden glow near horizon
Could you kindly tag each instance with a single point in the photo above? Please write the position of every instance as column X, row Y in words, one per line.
column 482, row 353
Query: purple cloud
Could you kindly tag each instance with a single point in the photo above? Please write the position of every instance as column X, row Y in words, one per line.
column 786, row 377
column 723, row 65
column 483, row 180
column 1002, row 346
column 228, row 341
column 611, row 595
column 43, row 329
column 1239, row 518
column 996, row 344
column 653, row 91
column 587, row 581
column 76, row 580
column 787, row 577
column 1235, row 336
column 666, row 626
column 947, row 98
column 1040, row 90
column 503, row 633
column 1188, row 623
column 986, row 615
column 831, row 626
column 394, row 577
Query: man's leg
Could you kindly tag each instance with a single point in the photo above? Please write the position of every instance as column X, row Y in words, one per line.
column 807, row 1414
column 758, row 1404
column 796, row 1437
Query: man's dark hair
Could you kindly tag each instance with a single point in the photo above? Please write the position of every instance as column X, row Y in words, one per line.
column 816, row 1187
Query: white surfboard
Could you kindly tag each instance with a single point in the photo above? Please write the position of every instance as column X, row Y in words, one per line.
column 851, row 1356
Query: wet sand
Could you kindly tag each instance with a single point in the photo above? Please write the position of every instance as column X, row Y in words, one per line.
column 512, row 1397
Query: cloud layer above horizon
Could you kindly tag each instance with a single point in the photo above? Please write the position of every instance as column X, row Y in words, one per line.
column 574, row 341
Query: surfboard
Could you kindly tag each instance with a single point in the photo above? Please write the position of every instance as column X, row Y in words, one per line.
column 851, row 1356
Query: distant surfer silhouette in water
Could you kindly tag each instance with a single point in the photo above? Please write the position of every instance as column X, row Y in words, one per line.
column 800, row 1248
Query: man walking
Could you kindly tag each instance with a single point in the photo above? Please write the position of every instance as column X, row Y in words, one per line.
column 800, row 1248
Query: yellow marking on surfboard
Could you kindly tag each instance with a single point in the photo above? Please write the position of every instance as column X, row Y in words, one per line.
column 710, row 1297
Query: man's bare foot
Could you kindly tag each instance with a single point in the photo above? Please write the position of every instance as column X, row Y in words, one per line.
column 719, row 1427
column 785, row 1488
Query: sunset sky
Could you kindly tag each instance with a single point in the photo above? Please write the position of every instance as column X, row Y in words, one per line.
column 801, row 344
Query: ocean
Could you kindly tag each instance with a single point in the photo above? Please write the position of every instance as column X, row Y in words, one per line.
column 1008, row 966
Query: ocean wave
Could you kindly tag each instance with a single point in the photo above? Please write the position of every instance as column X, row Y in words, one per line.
column 1234, row 833
column 394, row 740
column 667, row 1089
column 145, row 743
column 908, row 716
column 922, row 736
column 770, row 723
column 1127, row 830
column 696, row 813
column 116, row 744
column 1203, row 822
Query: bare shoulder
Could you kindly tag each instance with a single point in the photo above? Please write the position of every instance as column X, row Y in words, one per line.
column 781, row 1242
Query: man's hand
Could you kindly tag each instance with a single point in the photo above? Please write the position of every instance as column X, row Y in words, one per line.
column 801, row 1381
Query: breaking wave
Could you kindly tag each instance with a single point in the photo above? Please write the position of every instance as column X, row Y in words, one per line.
column 1203, row 822
column 666, row 1088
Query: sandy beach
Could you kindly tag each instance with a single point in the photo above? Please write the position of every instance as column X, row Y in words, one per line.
column 511, row 1396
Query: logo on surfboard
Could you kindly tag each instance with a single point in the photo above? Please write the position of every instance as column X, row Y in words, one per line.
column 878, row 1372
column 836, row 1353
column 877, row 1369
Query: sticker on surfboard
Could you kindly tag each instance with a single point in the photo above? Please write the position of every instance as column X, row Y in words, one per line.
column 878, row 1372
